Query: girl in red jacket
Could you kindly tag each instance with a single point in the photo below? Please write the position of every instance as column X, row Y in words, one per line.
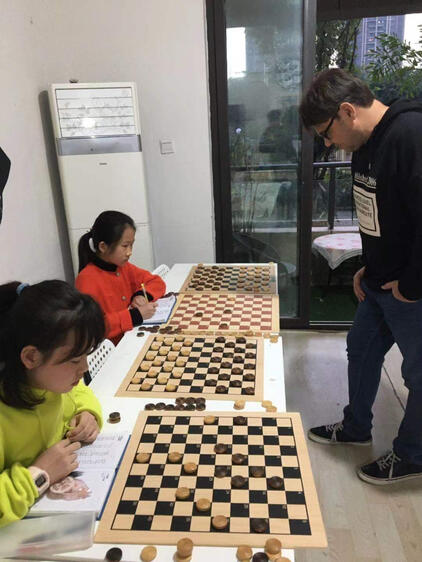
column 106, row 274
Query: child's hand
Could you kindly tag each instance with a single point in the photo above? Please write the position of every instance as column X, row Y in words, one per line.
column 147, row 310
column 59, row 460
column 85, row 428
column 138, row 301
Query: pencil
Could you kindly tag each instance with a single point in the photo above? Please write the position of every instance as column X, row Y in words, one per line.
column 145, row 293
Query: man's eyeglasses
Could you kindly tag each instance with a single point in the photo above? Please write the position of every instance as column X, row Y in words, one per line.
column 324, row 134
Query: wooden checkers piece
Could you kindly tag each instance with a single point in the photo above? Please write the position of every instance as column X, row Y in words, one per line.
column 182, row 493
column 244, row 553
column 158, row 502
column 143, row 457
column 184, row 548
column 174, row 457
column 273, row 546
column 190, row 468
column 202, row 367
column 114, row 417
column 148, row 553
column 219, row 522
column 114, row 554
column 208, row 420
column 239, row 405
column 232, row 278
column 203, row 504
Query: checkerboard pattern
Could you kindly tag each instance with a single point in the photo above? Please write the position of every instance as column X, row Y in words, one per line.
column 232, row 278
column 209, row 368
column 224, row 313
column 143, row 507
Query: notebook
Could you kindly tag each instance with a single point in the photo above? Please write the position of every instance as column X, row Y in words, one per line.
column 163, row 311
column 88, row 486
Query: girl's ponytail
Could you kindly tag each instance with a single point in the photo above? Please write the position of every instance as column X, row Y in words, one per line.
column 85, row 252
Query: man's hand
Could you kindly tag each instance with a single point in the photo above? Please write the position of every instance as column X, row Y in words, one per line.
column 84, row 428
column 394, row 286
column 357, row 289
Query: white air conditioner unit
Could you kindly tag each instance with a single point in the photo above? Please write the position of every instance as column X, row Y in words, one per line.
column 99, row 151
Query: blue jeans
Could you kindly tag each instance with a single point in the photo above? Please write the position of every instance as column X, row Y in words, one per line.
column 380, row 321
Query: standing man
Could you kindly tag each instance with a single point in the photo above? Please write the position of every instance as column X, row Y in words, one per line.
column 387, row 185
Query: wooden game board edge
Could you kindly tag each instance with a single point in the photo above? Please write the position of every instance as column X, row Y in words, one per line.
column 312, row 504
column 122, row 391
column 105, row 534
column 275, row 313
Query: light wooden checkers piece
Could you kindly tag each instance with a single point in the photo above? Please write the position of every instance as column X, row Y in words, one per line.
column 157, row 362
column 190, row 468
column 136, row 379
column 182, row 493
column 203, row 504
column 167, row 368
column 162, row 379
column 143, row 457
column 208, row 420
column 244, row 553
column 185, row 352
column 273, row 548
column 174, row 456
column 184, row 548
column 177, row 373
column 146, row 386
column 266, row 403
column 239, row 405
column 274, row 339
column 219, row 522
column 180, row 362
column 148, row 553
column 270, row 409
column 170, row 387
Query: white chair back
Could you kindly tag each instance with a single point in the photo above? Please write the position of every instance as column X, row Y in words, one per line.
column 98, row 357
column 161, row 270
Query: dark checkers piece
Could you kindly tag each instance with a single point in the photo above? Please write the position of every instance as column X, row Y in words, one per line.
column 221, row 471
column 260, row 557
column 275, row 482
column 201, row 406
column 238, row 359
column 198, row 314
column 238, row 458
column 210, row 382
column 213, row 370
column 170, row 407
column 220, row 448
column 250, row 366
column 249, row 355
column 140, row 334
column 249, row 390
column 190, row 407
column 114, row 554
column 230, row 344
column 226, row 365
column 240, row 420
column 257, row 471
column 249, row 377
column 259, row 526
column 218, row 349
column 220, row 339
column 114, row 417
column 236, row 371
column 241, row 339
column 220, row 389
column 160, row 406
column 250, row 345
column 238, row 481
column 190, row 400
column 149, row 407
column 224, row 377
column 236, row 384
column 224, row 326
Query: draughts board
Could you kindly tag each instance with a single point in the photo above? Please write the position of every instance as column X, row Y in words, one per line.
column 208, row 366
column 232, row 278
column 224, row 313
column 142, row 508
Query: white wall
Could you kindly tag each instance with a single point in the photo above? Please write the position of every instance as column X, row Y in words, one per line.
column 159, row 44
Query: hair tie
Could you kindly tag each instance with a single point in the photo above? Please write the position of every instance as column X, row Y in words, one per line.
column 91, row 244
column 21, row 287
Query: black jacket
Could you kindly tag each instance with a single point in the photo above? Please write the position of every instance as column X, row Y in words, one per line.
column 387, row 187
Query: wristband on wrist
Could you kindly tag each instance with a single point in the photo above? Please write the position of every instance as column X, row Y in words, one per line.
column 41, row 479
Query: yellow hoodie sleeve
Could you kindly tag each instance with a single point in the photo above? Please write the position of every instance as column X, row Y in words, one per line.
column 17, row 493
column 84, row 400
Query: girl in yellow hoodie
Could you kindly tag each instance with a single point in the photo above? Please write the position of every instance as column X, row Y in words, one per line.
column 46, row 411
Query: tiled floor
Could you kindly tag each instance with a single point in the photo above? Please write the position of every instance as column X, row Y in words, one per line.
column 364, row 523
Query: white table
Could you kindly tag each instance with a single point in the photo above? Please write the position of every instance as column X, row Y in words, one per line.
column 106, row 383
column 336, row 248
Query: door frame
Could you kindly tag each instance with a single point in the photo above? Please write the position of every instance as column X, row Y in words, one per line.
column 217, row 68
